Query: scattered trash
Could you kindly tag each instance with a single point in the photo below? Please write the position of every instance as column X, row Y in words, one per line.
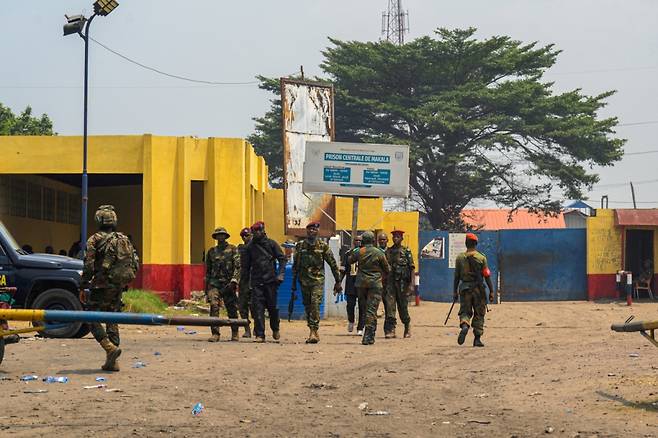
column 532, row 394
column 483, row 395
column 445, row 422
column 5, row 378
column 157, row 353
column 549, row 429
column 539, row 324
column 611, row 374
column 197, row 409
column 634, row 355
column 101, row 379
column 245, row 421
column 391, row 371
column 29, row 377
column 116, row 390
column 329, row 406
column 180, row 328
column 190, row 332
column 35, row 391
column 363, row 406
column 53, row 379
column 139, row 365
column 555, row 380
column 322, row 386
column 378, row 413
column 480, row 421
column 94, row 386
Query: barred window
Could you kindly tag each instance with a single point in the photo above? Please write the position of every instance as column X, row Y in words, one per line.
column 62, row 207
column 34, row 201
column 18, row 197
column 74, row 209
column 48, row 204
column 5, row 194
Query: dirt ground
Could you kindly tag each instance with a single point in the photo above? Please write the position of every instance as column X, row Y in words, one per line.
column 547, row 368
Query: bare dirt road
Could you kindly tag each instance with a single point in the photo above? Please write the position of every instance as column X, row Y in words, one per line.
column 547, row 368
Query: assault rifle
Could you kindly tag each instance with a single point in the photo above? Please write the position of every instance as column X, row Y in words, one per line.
column 639, row 326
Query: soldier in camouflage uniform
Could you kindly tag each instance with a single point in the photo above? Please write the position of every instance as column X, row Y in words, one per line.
column 397, row 285
column 244, row 296
column 103, row 296
column 310, row 256
column 222, row 277
column 471, row 270
column 372, row 267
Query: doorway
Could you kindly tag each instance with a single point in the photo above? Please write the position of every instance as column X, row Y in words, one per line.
column 197, row 231
column 639, row 247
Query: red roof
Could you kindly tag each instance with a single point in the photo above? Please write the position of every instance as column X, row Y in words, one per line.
column 497, row 219
column 636, row 218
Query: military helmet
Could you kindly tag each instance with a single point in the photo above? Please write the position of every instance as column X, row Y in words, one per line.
column 105, row 215
column 368, row 237
column 220, row 230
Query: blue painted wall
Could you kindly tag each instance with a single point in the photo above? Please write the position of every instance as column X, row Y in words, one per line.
column 534, row 265
column 283, row 298
column 543, row 265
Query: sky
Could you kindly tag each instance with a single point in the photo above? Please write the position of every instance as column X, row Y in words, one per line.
column 606, row 44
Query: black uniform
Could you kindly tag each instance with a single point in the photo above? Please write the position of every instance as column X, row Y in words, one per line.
column 262, row 262
column 351, row 293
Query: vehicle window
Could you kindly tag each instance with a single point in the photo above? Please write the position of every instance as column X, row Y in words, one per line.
column 9, row 237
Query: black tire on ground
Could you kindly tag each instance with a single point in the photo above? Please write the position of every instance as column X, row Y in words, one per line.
column 2, row 349
column 59, row 299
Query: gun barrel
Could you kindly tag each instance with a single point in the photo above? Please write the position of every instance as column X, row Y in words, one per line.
column 635, row 326
column 115, row 317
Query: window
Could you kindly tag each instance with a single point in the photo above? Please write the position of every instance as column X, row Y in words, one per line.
column 74, row 209
column 18, row 198
column 62, row 207
column 34, row 207
column 48, row 204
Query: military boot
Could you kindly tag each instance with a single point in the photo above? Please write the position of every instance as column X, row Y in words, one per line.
column 389, row 334
column 259, row 339
column 368, row 336
column 112, row 353
column 407, row 330
column 315, row 336
column 477, row 342
column 234, row 334
column 247, row 332
column 276, row 334
column 462, row 334
column 214, row 338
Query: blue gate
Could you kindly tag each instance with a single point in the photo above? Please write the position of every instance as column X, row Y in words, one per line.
column 436, row 277
column 543, row 264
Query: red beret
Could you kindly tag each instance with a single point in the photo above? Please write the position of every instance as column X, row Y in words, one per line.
column 260, row 225
column 394, row 232
column 313, row 225
column 471, row 236
column 245, row 231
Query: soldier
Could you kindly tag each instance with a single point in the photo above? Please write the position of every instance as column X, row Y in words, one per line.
column 470, row 270
column 382, row 241
column 397, row 285
column 244, row 297
column 264, row 266
column 222, row 277
column 110, row 263
column 348, row 271
column 310, row 257
column 372, row 267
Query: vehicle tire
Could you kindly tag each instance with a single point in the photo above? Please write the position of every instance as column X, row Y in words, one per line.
column 2, row 349
column 59, row 299
column 84, row 330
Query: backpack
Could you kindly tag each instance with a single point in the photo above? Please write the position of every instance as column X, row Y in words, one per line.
column 119, row 259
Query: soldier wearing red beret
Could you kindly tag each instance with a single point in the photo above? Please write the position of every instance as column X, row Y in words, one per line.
column 397, row 285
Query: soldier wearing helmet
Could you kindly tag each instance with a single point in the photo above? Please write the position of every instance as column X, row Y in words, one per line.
column 101, row 263
column 372, row 267
column 471, row 271
column 222, row 278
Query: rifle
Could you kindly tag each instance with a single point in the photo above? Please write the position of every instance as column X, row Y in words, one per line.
column 449, row 312
column 293, row 297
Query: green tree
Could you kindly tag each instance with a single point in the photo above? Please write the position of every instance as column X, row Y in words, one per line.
column 479, row 120
column 24, row 123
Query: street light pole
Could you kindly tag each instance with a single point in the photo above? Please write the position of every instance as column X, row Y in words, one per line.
column 85, row 179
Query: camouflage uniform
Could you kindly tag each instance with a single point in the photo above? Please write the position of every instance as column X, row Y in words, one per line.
column 308, row 267
column 103, row 296
column 397, row 286
column 372, row 267
column 472, row 299
column 222, row 274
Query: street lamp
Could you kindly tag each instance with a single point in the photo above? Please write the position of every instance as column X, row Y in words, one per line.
column 80, row 25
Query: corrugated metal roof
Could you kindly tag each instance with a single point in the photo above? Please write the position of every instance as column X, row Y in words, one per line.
column 497, row 219
column 639, row 217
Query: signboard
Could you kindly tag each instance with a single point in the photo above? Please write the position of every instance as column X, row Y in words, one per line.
column 435, row 249
column 356, row 169
column 308, row 115
column 456, row 246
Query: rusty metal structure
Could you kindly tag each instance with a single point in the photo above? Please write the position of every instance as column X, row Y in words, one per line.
column 307, row 115
column 395, row 22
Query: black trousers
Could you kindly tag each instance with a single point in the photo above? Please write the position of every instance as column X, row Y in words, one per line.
column 352, row 301
column 264, row 297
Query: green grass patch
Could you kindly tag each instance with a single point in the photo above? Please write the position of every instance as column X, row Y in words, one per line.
column 142, row 301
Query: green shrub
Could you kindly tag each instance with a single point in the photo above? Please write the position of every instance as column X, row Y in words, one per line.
column 142, row 301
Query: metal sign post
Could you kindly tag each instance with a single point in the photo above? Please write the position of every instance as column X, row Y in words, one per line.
column 355, row 217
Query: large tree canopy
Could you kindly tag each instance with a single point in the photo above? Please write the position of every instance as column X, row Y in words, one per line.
column 480, row 121
column 24, row 123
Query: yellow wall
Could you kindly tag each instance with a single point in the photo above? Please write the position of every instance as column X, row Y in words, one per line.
column 603, row 243
column 407, row 221
column 274, row 220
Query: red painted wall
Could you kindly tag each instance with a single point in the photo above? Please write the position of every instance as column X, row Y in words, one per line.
column 601, row 286
column 172, row 282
